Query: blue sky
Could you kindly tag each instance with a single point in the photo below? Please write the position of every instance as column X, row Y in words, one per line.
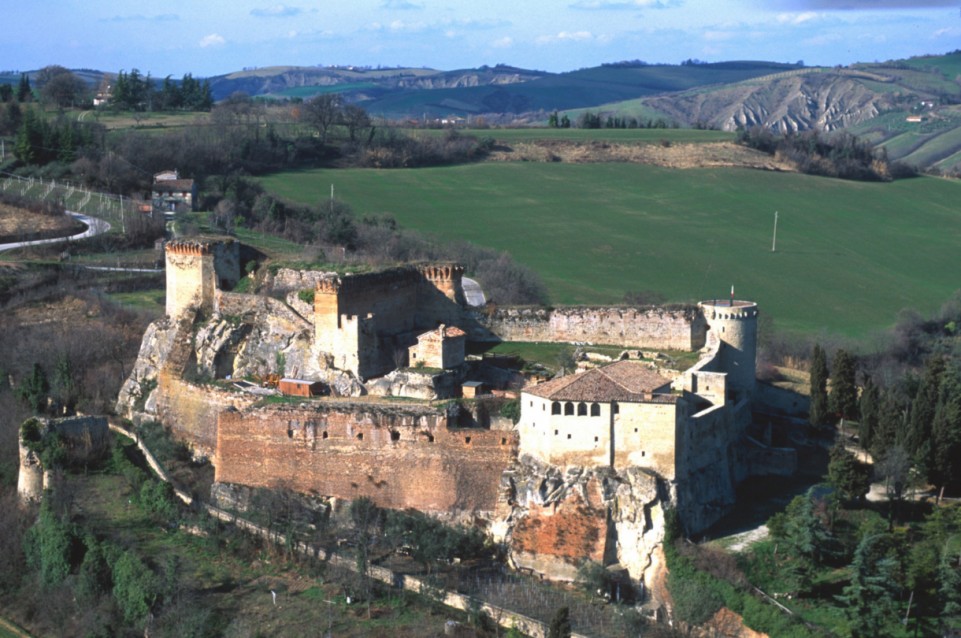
column 209, row 38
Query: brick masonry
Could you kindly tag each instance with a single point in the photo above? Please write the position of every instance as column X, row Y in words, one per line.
column 399, row 457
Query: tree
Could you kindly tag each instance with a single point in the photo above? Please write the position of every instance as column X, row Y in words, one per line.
column 949, row 573
column 844, row 391
column 60, row 87
column 871, row 596
column 851, row 479
column 944, row 467
column 894, row 468
column 917, row 439
column 135, row 587
column 24, row 92
column 869, row 406
column 818, row 384
column 355, row 120
column 560, row 626
column 33, row 389
column 322, row 113
column 6, row 93
column 565, row 121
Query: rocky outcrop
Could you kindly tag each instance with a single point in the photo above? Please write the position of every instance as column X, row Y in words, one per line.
column 554, row 518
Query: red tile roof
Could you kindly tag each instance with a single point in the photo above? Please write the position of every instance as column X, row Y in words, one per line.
column 621, row 381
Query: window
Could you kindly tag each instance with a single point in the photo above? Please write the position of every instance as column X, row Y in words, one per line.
column 615, row 409
column 467, row 440
column 595, row 409
column 595, row 439
column 581, row 409
column 504, row 440
column 324, row 435
column 568, row 409
column 360, row 436
column 395, row 435
column 568, row 437
column 555, row 408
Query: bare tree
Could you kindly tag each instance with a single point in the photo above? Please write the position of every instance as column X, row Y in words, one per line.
column 322, row 112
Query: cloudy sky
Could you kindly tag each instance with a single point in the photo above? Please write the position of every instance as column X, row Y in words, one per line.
column 216, row 36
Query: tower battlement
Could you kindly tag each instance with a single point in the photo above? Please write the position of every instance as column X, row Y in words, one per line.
column 192, row 248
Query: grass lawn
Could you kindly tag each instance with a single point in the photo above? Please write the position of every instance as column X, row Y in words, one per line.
column 849, row 255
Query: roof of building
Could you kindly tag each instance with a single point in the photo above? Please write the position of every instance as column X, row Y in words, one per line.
column 173, row 185
column 621, row 381
column 450, row 332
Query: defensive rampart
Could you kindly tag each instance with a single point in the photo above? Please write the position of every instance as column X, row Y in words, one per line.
column 398, row 456
column 680, row 328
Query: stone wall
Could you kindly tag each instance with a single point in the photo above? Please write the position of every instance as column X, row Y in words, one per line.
column 654, row 327
column 400, row 457
column 190, row 411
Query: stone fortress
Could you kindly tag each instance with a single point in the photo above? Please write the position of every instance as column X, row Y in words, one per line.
column 588, row 471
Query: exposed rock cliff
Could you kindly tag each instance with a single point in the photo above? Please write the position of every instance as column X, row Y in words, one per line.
column 553, row 518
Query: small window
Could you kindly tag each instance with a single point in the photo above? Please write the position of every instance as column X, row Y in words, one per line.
column 395, row 435
column 568, row 409
column 615, row 409
column 532, row 404
column 290, row 433
column 568, row 437
column 595, row 409
column 430, row 438
column 467, row 440
column 595, row 439
column 324, row 435
column 555, row 408
column 643, row 453
column 504, row 440
column 360, row 436
column 581, row 409
column 635, row 430
column 556, row 432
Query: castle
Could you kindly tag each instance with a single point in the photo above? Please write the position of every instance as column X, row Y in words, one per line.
column 586, row 472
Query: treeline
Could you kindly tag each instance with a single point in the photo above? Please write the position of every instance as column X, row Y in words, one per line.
column 590, row 120
column 135, row 92
column 839, row 155
column 42, row 140
column 331, row 231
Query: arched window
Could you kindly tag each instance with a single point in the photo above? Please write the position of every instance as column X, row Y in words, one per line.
column 568, row 409
column 595, row 409
column 582, row 409
column 555, row 408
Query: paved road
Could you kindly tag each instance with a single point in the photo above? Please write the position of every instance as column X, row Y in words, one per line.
column 94, row 227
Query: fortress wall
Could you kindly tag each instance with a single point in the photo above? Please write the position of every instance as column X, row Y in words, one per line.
column 383, row 454
column 191, row 410
column 664, row 328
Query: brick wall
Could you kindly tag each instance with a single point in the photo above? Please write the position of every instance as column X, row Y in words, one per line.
column 399, row 457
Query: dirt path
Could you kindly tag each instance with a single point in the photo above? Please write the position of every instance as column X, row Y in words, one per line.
column 740, row 542
column 13, row 629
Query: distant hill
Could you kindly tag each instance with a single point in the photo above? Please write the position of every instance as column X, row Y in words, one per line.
column 910, row 107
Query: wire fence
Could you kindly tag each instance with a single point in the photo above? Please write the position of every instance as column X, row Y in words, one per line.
column 117, row 210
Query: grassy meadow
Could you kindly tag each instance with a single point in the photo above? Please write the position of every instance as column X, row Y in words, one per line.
column 849, row 255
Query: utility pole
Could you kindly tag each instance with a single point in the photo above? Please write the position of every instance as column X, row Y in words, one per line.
column 774, row 241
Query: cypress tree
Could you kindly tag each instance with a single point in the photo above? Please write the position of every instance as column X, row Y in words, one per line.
column 819, row 382
column 868, row 426
column 871, row 596
column 918, row 436
column 24, row 92
column 944, row 462
column 844, row 390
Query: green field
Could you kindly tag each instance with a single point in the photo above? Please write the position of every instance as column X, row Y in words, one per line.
column 624, row 136
column 849, row 255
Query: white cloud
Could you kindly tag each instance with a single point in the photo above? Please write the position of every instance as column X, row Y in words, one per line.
column 277, row 11
column 163, row 17
column 620, row 5
column 566, row 36
column 212, row 40
column 797, row 18
column 400, row 5
column 503, row 43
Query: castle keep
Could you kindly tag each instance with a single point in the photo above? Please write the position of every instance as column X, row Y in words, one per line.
column 587, row 471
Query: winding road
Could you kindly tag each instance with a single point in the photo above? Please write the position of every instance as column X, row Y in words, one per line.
column 95, row 227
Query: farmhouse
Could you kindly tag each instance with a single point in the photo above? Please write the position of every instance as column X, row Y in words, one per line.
column 171, row 193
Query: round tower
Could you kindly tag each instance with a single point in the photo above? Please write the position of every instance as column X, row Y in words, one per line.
column 734, row 323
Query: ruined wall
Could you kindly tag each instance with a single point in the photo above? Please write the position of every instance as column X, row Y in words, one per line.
column 664, row 328
column 399, row 457
column 190, row 411
column 81, row 435
column 190, row 276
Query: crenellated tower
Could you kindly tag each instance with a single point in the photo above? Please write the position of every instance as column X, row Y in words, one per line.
column 734, row 323
column 448, row 279
column 191, row 278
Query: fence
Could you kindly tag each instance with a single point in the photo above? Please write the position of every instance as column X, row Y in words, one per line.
column 115, row 209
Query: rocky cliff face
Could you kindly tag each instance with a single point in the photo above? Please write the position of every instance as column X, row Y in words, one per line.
column 553, row 518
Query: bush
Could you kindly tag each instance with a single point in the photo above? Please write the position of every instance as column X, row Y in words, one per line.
column 135, row 587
